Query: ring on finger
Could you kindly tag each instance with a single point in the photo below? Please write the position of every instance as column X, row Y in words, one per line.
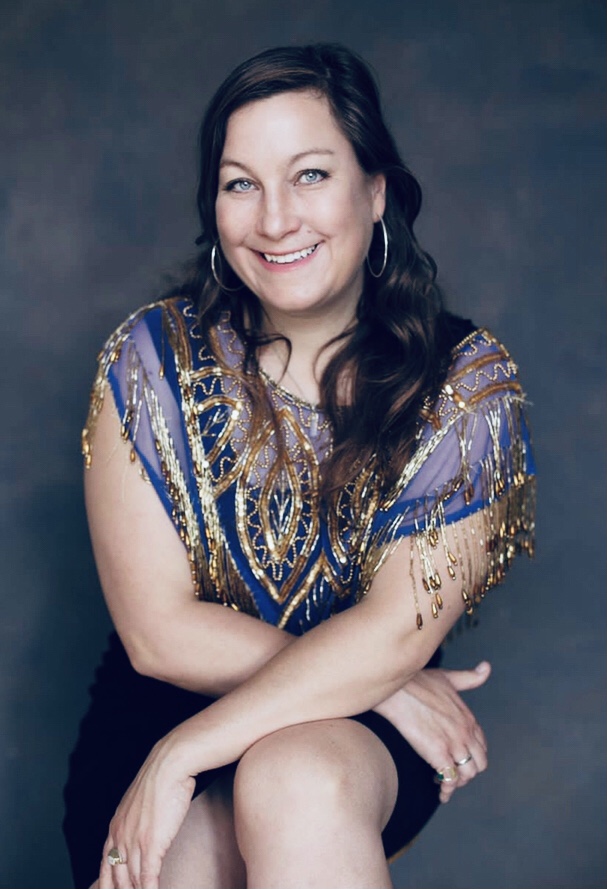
column 446, row 775
column 462, row 762
column 114, row 857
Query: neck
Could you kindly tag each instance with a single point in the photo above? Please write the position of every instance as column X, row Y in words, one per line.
column 301, row 371
column 308, row 335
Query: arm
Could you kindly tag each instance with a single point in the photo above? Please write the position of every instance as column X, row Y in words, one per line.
column 197, row 645
column 145, row 575
column 202, row 646
column 341, row 667
column 168, row 633
column 352, row 662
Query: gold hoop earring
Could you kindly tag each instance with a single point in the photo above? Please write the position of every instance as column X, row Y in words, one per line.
column 385, row 259
column 216, row 276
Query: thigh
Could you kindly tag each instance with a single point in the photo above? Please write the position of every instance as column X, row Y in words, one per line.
column 205, row 853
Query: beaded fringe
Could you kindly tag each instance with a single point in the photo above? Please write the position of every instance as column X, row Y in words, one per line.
column 476, row 550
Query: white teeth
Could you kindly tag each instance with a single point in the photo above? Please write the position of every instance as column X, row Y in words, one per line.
column 289, row 257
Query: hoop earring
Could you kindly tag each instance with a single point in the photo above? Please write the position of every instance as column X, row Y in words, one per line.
column 385, row 259
column 216, row 276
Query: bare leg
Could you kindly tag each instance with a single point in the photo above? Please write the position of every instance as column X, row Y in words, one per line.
column 204, row 854
column 310, row 803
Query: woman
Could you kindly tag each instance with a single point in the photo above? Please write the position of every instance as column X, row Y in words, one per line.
column 317, row 434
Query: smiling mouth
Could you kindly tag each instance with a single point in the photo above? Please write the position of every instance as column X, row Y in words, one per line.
column 287, row 258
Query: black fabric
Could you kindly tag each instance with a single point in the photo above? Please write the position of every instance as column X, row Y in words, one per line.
column 130, row 712
column 451, row 330
column 417, row 798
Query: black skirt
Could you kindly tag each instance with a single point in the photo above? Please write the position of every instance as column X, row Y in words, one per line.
column 129, row 713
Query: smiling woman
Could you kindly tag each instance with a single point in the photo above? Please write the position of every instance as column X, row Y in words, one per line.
column 295, row 234
column 337, row 469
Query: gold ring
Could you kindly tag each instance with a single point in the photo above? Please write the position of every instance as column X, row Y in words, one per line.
column 448, row 775
column 114, row 857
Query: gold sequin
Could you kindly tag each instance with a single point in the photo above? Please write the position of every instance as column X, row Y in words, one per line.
column 277, row 515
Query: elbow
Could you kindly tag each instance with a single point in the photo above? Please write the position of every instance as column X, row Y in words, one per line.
column 164, row 662
column 145, row 658
column 409, row 656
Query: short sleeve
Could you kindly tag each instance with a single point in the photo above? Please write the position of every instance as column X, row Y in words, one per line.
column 467, row 497
column 138, row 364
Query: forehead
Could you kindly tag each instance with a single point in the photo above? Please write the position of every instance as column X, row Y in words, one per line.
column 287, row 123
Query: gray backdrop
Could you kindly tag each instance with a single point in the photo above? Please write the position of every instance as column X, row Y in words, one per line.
column 497, row 106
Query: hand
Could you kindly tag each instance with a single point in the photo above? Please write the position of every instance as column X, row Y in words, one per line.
column 146, row 822
column 429, row 712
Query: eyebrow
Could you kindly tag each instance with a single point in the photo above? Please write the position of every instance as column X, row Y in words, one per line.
column 228, row 162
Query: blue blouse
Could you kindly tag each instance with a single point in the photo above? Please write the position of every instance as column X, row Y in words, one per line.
column 255, row 537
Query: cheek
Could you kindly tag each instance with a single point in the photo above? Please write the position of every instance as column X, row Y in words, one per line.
column 232, row 223
column 222, row 221
column 352, row 216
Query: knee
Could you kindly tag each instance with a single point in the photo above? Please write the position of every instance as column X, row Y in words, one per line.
column 293, row 776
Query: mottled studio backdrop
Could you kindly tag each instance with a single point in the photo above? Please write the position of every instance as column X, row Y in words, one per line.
column 497, row 106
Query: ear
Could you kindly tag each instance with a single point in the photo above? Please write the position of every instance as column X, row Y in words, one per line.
column 378, row 194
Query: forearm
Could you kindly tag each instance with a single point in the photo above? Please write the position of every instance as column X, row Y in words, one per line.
column 340, row 668
column 214, row 650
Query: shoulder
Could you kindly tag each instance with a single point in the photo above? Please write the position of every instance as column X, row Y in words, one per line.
column 148, row 332
column 480, row 370
column 480, row 367
column 141, row 362
column 150, row 319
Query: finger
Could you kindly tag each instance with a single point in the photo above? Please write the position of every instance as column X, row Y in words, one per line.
column 106, row 881
column 118, row 874
column 106, row 872
column 150, row 873
column 446, row 792
column 466, row 770
column 135, row 868
column 447, row 777
column 447, row 789
column 464, row 680
column 122, row 876
column 463, row 760
column 480, row 737
column 476, row 764
column 479, row 753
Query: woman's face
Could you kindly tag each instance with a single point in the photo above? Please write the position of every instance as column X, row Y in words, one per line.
column 294, row 209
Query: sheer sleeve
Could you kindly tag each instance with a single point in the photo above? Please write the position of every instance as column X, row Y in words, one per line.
column 467, row 497
column 138, row 365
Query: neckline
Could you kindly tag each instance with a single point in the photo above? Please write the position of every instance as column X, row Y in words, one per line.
column 287, row 394
column 224, row 325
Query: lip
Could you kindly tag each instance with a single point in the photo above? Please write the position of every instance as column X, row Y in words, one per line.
column 288, row 266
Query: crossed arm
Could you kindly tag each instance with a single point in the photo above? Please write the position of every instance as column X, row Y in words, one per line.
column 366, row 657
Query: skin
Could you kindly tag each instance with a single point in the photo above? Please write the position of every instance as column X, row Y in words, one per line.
column 281, row 699
column 289, row 181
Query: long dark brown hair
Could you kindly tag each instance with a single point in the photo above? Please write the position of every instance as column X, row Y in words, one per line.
column 391, row 357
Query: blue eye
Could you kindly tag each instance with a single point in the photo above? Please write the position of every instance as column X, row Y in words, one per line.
column 239, row 185
column 311, row 177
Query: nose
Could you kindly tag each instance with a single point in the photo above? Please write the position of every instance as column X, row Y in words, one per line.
column 278, row 215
